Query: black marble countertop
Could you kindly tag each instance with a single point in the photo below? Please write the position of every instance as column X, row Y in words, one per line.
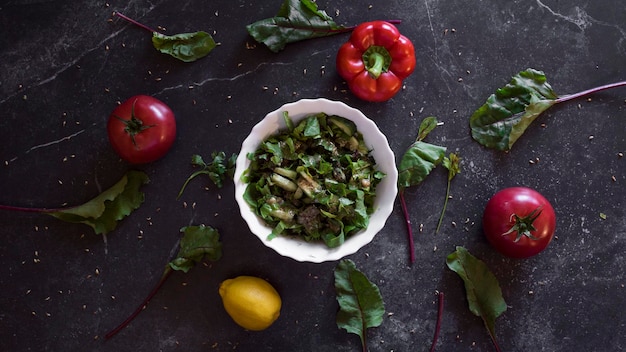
column 67, row 64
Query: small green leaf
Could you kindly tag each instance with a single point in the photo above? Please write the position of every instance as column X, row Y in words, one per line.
column 103, row 212
column 482, row 288
column 428, row 125
column 453, row 164
column 218, row 170
column 417, row 162
column 295, row 21
column 198, row 242
column 502, row 120
column 186, row 47
column 360, row 302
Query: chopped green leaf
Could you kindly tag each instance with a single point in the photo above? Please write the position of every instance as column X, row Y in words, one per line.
column 360, row 302
column 295, row 21
column 103, row 212
column 482, row 288
column 186, row 47
column 218, row 170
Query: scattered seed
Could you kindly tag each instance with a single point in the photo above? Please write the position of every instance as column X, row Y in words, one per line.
column 591, row 137
column 620, row 154
column 614, row 178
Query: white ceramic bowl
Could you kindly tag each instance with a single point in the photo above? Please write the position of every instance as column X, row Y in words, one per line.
column 386, row 190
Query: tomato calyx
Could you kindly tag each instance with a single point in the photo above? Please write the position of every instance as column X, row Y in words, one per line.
column 134, row 125
column 524, row 225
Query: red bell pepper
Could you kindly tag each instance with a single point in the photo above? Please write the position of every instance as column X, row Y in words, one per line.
column 375, row 60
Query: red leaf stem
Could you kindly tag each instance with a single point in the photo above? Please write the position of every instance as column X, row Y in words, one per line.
column 438, row 326
column 31, row 210
column 141, row 25
column 590, row 91
column 166, row 275
column 409, row 228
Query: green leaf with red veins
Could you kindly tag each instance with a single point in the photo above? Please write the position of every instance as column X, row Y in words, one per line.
column 481, row 286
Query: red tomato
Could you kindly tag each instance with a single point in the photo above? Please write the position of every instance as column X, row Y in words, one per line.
column 519, row 222
column 142, row 129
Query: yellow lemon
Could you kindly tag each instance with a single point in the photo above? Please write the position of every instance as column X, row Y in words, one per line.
column 251, row 302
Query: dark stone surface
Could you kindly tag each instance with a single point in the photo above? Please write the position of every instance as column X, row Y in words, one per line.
column 66, row 64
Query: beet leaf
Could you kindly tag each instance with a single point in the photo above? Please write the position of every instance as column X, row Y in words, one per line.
column 197, row 244
column 484, row 295
column 507, row 113
column 104, row 211
column 187, row 47
column 416, row 163
column 360, row 302
column 295, row 21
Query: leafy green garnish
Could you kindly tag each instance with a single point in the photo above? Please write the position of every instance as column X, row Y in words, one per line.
column 506, row 115
column 186, row 47
column 453, row 164
column 198, row 243
column 218, row 169
column 103, row 212
column 416, row 163
column 483, row 291
column 360, row 302
column 316, row 181
column 295, row 21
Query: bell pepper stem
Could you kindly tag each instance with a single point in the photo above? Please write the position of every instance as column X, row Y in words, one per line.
column 377, row 60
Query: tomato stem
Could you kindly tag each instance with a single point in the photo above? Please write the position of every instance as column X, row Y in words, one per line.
column 409, row 228
column 141, row 25
column 166, row 274
column 523, row 225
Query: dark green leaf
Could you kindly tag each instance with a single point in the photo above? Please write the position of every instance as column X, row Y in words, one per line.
column 186, row 47
column 510, row 110
column 360, row 302
column 296, row 20
column 417, row 162
column 103, row 212
column 482, row 288
column 427, row 126
column 198, row 243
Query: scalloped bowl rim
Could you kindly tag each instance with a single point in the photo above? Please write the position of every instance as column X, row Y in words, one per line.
column 386, row 190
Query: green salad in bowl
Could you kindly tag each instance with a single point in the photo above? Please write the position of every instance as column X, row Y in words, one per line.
column 315, row 180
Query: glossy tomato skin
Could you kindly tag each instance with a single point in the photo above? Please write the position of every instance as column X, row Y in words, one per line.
column 500, row 216
column 149, row 136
